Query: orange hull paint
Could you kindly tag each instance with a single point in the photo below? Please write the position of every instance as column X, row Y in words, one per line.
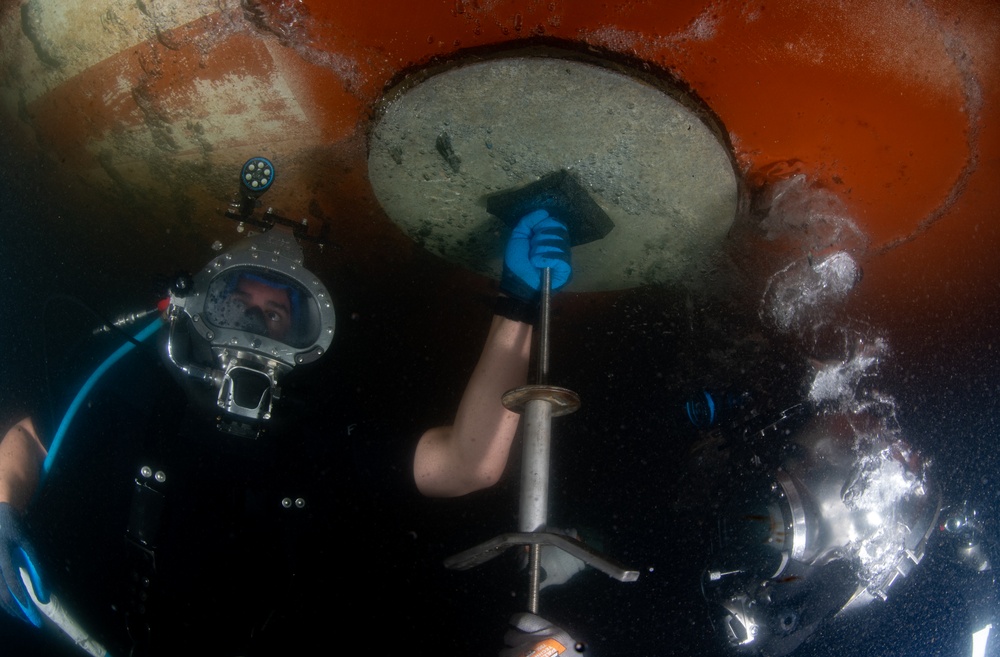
column 891, row 106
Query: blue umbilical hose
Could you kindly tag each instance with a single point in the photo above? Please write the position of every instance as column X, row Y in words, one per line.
column 91, row 381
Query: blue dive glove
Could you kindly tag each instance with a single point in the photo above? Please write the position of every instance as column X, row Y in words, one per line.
column 16, row 553
column 539, row 240
column 533, row 636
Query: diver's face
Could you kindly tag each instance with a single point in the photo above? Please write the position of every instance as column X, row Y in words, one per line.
column 271, row 303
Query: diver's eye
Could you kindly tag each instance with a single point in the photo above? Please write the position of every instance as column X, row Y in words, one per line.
column 273, row 317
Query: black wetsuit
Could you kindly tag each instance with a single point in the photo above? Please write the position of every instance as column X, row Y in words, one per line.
column 247, row 546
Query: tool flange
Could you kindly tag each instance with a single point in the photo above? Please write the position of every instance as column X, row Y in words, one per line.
column 562, row 400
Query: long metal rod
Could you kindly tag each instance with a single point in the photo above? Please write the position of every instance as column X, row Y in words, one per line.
column 543, row 328
column 537, row 437
column 535, row 485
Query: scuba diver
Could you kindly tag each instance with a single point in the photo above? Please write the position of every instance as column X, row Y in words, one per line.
column 214, row 492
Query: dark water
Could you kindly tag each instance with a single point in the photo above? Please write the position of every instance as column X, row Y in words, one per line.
column 619, row 475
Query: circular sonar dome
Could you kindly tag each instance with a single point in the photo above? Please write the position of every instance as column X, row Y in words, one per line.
column 654, row 164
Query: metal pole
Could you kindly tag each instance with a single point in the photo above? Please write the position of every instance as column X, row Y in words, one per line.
column 536, row 450
column 543, row 328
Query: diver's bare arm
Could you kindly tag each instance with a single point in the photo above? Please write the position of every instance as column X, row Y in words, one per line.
column 472, row 453
column 21, row 458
